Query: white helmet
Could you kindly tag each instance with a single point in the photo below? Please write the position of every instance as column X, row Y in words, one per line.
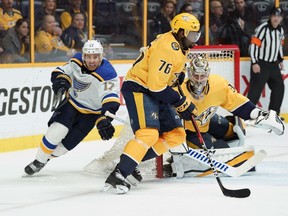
column 198, row 73
column 93, row 47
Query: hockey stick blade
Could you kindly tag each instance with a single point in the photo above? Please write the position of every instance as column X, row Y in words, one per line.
column 238, row 193
column 57, row 100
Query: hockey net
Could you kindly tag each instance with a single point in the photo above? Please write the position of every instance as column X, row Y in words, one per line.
column 223, row 60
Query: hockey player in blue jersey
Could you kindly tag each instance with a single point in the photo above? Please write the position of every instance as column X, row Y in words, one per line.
column 91, row 86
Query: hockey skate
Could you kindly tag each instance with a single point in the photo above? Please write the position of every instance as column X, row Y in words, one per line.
column 34, row 167
column 116, row 183
column 135, row 178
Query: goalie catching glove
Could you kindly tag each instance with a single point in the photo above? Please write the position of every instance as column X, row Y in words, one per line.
column 105, row 128
column 185, row 108
column 268, row 120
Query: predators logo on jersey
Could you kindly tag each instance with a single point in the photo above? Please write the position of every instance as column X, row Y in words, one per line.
column 206, row 115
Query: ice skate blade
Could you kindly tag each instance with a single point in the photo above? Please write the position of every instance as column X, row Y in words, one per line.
column 118, row 189
column 133, row 181
column 25, row 175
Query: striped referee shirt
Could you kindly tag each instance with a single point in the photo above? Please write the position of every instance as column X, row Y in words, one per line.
column 267, row 43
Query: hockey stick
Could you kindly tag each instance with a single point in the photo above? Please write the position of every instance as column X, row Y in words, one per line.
column 238, row 193
column 58, row 102
column 111, row 115
column 202, row 157
column 223, row 167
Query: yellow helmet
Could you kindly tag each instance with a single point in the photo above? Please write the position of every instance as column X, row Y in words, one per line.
column 185, row 21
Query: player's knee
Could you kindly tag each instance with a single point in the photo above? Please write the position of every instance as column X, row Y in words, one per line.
column 170, row 140
column 175, row 137
column 147, row 136
column 144, row 139
column 56, row 132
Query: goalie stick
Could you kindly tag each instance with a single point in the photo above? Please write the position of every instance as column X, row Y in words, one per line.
column 223, row 167
column 201, row 157
column 238, row 193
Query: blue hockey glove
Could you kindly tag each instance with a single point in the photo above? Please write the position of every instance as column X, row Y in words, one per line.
column 185, row 108
column 105, row 128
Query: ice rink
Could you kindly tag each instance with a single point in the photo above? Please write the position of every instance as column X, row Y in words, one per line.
column 62, row 189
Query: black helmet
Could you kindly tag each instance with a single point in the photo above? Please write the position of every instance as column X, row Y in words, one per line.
column 276, row 11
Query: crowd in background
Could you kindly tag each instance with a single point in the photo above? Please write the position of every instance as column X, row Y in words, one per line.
column 61, row 27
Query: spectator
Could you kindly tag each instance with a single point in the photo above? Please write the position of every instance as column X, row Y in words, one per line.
column 48, row 8
column 48, row 45
column 75, row 35
column 186, row 8
column 197, row 6
column 163, row 18
column 228, row 5
column 15, row 44
column 245, row 16
column 218, row 18
column 66, row 16
column 266, row 52
column 8, row 15
column 239, row 27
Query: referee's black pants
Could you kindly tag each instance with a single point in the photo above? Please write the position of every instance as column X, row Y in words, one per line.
column 269, row 73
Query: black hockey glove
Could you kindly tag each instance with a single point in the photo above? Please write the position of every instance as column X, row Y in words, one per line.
column 60, row 83
column 179, row 80
column 105, row 128
column 185, row 108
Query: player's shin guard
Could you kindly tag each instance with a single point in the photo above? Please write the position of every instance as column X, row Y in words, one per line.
column 60, row 150
column 55, row 133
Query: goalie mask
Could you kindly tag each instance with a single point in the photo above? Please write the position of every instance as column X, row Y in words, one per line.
column 198, row 72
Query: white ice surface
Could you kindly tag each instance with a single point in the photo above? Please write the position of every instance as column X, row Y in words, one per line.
column 62, row 189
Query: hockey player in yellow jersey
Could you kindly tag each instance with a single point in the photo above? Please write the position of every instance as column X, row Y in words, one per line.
column 208, row 93
column 151, row 100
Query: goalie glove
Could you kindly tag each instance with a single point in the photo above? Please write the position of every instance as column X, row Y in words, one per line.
column 268, row 120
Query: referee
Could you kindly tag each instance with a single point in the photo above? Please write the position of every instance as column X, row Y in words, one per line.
column 266, row 52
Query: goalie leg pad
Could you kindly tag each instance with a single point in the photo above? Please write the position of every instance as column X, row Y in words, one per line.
column 177, row 166
column 185, row 164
